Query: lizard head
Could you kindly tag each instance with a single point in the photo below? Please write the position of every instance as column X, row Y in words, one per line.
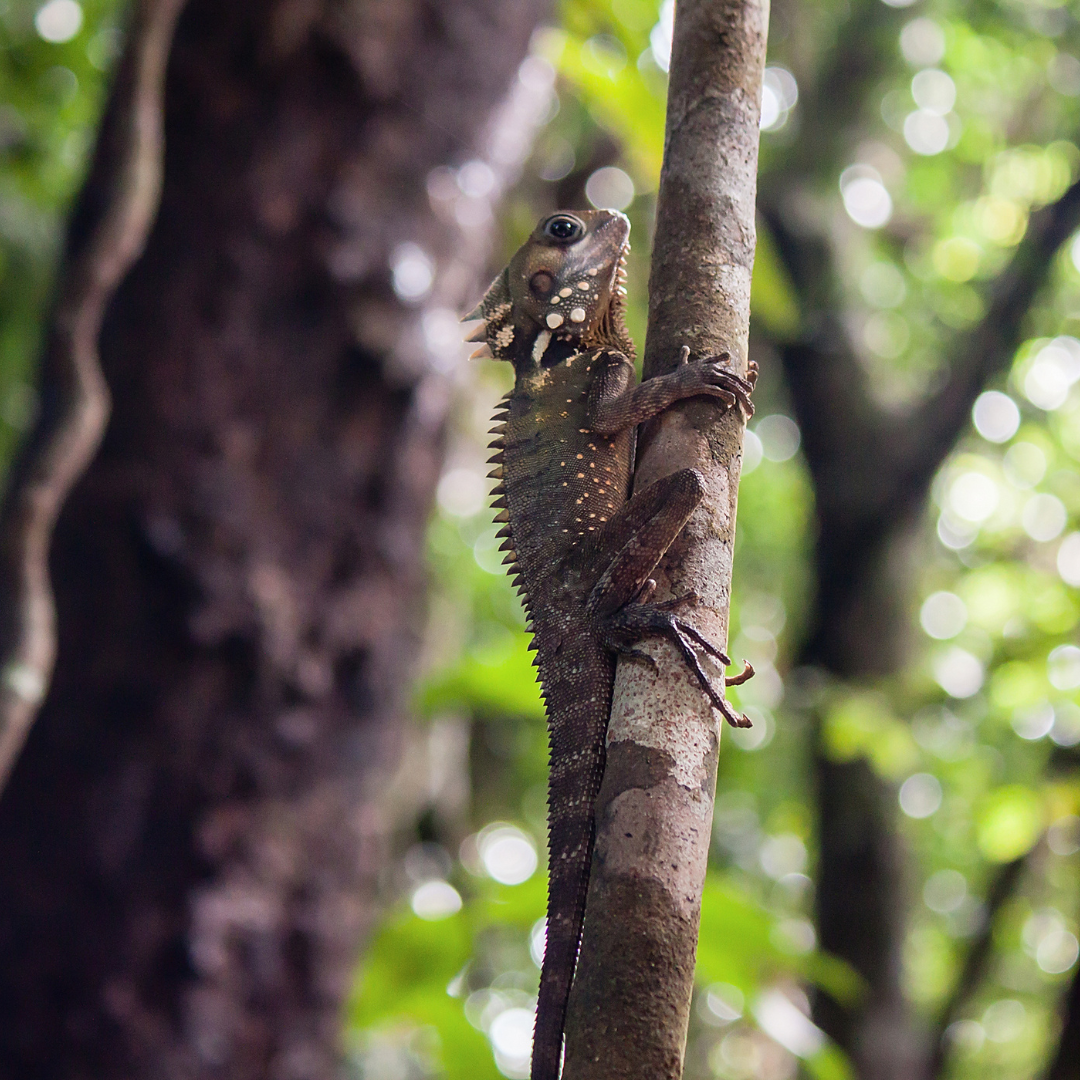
column 566, row 279
column 567, row 273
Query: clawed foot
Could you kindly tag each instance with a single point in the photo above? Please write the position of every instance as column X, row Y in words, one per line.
column 683, row 634
column 718, row 381
column 637, row 620
column 745, row 675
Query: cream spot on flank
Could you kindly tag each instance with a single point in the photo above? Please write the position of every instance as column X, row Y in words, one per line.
column 584, row 286
column 554, row 320
column 556, row 299
column 593, row 271
column 577, row 315
column 565, row 292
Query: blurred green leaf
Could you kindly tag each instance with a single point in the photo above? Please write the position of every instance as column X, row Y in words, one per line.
column 1010, row 821
column 772, row 297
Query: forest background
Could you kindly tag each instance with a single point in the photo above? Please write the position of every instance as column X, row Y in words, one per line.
column 894, row 889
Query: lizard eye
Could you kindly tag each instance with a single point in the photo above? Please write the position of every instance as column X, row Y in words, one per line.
column 563, row 227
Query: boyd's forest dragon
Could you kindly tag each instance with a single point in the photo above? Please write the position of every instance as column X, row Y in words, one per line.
column 580, row 549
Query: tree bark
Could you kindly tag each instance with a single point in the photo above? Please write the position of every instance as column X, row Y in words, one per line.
column 629, row 1006
column 191, row 840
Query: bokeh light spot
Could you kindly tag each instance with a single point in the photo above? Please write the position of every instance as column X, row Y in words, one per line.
column 508, row 854
column 610, row 188
column 59, row 20
column 435, row 900
column 920, row 795
column 943, row 615
column 996, row 416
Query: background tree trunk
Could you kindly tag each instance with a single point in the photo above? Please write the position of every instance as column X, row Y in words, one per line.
column 872, row 472
column 190, row 843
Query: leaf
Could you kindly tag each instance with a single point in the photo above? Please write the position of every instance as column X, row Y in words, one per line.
column 499, row 686
column 737, row 944
column 773, row 300
column 1009, row 823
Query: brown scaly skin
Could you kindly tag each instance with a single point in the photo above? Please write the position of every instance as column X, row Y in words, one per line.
column 580, row 551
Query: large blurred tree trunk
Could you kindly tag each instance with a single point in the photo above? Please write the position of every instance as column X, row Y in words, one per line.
column 190, row 842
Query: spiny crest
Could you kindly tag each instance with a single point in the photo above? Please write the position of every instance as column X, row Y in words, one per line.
column 496, row 309
column 498, row 459
column 611, row 332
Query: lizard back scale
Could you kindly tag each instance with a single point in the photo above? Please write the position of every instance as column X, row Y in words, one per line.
column 579, row 548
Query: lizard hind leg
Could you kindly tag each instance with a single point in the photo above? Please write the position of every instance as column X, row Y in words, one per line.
column 632, row 545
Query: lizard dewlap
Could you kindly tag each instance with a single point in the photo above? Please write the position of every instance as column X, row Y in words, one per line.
column 579, row 548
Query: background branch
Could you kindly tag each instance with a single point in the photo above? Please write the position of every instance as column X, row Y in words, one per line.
column 104, row 241
column 630, row 1003
column 872, row 470
column 979, row 955
column 1065, row 1065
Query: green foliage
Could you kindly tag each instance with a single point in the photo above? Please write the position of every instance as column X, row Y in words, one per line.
column 415, row 974
column 52, row 94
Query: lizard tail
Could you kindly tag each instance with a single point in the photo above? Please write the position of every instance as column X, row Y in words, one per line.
column 573, row 786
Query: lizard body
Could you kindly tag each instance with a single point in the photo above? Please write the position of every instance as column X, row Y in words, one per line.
column 580, row 548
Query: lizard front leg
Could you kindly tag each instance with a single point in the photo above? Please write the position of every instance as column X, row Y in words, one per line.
column 615, row 404
column 634, row 542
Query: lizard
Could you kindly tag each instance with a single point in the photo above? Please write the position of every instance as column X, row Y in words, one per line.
column 579, row 547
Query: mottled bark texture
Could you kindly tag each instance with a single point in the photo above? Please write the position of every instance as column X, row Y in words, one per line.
column 190, row 842
column 872, row 469
column 629, row 1007
column 73, row 420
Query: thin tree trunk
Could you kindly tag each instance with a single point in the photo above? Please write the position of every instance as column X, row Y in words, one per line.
column 191, row 840
column 630, row 1003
